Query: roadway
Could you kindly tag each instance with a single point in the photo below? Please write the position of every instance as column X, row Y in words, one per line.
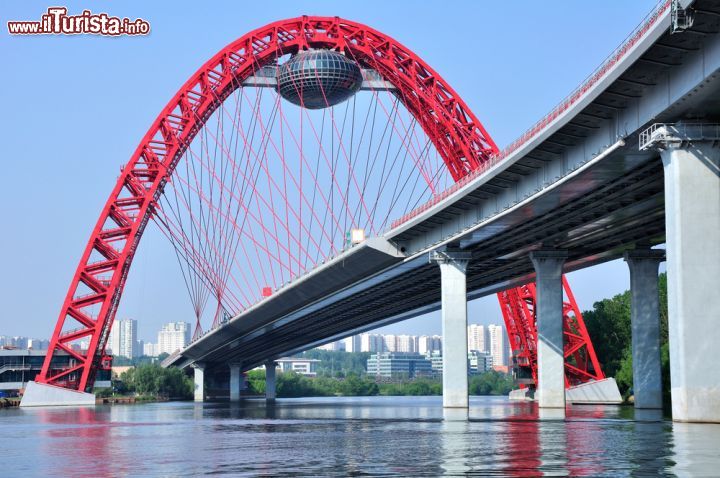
column 577, row 183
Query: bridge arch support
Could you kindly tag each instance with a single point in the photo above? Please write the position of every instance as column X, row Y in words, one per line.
column 456, row 133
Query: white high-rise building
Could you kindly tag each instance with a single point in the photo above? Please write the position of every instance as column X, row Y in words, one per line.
column 150, row 349
column 427, row 344
column 173, row 336
column 123, row 338
column 406, row 343
column 353, row 343
column 390, row 342
column 478, row 338
column 499, row 344
column 336, row 346
column 371, row 343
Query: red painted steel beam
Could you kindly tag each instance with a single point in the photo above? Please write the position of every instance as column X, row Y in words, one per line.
column 518, row 306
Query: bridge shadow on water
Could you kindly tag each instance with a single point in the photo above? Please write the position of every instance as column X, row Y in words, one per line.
column 363, row 436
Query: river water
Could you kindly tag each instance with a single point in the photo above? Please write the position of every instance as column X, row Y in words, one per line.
column 373, row 436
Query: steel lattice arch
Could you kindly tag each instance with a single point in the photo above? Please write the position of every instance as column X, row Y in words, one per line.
column 181, row 135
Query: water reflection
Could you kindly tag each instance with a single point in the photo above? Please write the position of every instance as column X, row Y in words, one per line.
column 523, row 442
column 346, row 436
column 455, row 431
column 696, row 448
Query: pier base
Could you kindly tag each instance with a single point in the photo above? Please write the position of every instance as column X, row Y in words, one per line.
column 645, row 326
column 235, row 382
column 453, row 265
column 549, row 309
column 270, row 393
column 199, row 378
column 692, row 218
column 43, row 395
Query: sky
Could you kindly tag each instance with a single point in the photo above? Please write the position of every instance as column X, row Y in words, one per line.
column 75, row 108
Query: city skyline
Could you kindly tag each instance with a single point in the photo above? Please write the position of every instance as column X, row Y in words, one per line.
column 491, row 340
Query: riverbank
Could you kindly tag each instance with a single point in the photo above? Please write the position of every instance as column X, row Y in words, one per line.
column 9, row 402
column 131, row 399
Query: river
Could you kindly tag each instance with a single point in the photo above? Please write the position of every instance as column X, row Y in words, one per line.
column 368, row 436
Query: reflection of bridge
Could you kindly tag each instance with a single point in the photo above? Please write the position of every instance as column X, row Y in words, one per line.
column 572, row 192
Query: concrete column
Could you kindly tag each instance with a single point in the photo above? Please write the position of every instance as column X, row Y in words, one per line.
column 692, row 224
column 454, row 326
column 549, row 313
column 270, row 380
column 235, row 382
column 199, row 377
column 645, row 324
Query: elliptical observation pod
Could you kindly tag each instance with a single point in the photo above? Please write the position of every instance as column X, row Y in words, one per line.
column 318, row 79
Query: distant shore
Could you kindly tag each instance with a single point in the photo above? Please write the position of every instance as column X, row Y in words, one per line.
column 9, row 402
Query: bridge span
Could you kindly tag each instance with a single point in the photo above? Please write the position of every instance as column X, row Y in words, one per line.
column 580, row 189
column 628, row 161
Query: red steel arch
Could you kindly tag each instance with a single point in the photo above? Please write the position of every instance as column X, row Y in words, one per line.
column 459, row 137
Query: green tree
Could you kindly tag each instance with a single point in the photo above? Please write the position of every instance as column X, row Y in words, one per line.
column 491, row 383
column 353, row 385
column 153, row 380
column 609, row 326
column 256, row 381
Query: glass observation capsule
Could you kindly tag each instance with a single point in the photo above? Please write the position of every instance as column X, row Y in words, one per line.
column 317, row 79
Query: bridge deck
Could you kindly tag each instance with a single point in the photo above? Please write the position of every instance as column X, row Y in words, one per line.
column 579, row 184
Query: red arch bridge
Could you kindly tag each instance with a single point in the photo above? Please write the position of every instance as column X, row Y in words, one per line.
column 316, row 179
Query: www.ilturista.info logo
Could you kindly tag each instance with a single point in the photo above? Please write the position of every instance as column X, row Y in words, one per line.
column 57, row 22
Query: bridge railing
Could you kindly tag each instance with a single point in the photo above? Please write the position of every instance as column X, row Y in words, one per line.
column 576, row 95
column 678, row 132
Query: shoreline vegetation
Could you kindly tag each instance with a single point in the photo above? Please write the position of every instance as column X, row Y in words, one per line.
column 150, row 382
column 292, row 385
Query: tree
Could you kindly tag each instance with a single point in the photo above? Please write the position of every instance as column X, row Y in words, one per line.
column 609, row 326
column 256, row 381
column 353, row 385
column 154, row 380
column 491, row 383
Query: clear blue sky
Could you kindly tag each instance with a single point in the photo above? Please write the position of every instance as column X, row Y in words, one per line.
column 74, row 109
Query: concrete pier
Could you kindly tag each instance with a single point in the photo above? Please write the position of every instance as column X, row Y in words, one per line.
column 44, row 395
column 692, row 216
column 270, row 393
column 235, row 382
column 199, row 378
column 549, row 311
column 645, row 324
column 454, row 326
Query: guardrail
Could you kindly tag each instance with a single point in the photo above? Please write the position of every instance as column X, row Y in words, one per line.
column 578, row 93
column 15, row 367
column 678, row 132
